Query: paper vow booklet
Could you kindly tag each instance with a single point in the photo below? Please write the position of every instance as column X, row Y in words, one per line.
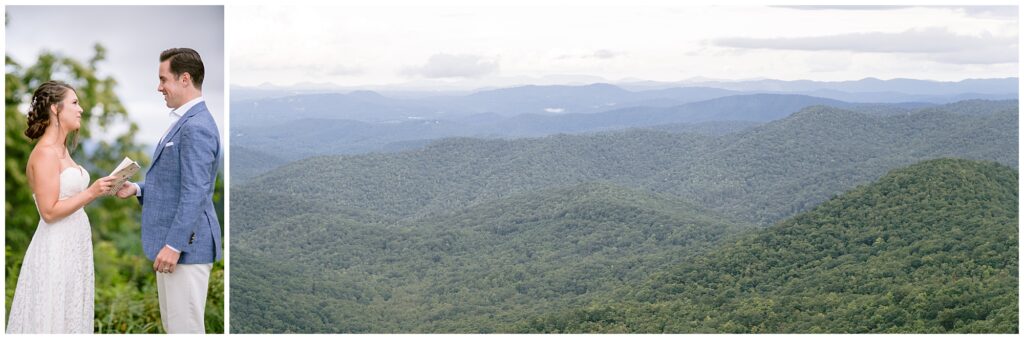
column 125, row 170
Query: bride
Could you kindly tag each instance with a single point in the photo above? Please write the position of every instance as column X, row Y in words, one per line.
column 55, row 288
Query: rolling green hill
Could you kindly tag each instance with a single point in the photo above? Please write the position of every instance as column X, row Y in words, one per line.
column 249, row 163
column 476, row 269
column 931, row 248
column 471, row 235
column 762, row 174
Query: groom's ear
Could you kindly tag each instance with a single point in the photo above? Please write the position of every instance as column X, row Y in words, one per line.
column 187, row 78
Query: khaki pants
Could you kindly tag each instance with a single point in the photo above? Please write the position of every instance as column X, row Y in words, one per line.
column 183, row 298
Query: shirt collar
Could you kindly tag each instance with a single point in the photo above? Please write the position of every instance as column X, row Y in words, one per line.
column 180, row 111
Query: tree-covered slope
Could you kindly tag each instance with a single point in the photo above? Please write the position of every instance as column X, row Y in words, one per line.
column 471, row 270
column 422, row 241
column 762, row 174
column 931, row 248
column 247, row 163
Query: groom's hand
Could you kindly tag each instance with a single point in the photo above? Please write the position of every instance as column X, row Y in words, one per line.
column 127, row 190
column 166, row 260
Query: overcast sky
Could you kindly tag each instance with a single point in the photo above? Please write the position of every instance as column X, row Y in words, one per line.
column 501, row 46
column 134, row 36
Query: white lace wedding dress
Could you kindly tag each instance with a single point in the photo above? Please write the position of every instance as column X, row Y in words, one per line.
column 56, row 286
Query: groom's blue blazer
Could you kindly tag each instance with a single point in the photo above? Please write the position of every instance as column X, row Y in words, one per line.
column 177, row 193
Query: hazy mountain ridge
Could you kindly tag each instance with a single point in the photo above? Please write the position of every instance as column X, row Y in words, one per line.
column 484, row 235
column 818, row 140
column 866, row 85
column 369, row 106
column 364, row 121
column 892, row 90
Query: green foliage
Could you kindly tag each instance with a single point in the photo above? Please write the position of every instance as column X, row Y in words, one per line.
column 806, row 158
column 931, row 248
column 126, row 299
column 470, row 235
column 472, row 270
column 248, row 163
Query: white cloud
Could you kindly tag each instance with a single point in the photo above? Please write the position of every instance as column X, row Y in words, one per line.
column 935, row 43
column 991, row 12
column 597, row 54
column 844, row 7
column 343, row 70
column 454, row 66
column 392, row 46
column 312, row 70
column 606, row 54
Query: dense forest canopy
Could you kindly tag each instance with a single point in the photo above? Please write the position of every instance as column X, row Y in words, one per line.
column 577, row 233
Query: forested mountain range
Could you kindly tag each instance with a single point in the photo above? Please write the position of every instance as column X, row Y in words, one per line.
column 483, row 235
column 474, row 269
column 931, row 248
column 901, row 86
column 321, row 134
column 808, row 156
column 298, row 132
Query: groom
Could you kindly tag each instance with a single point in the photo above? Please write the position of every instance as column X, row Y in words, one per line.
column 180, row 229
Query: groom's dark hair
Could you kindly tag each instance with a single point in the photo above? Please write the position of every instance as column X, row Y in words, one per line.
column 185, row 60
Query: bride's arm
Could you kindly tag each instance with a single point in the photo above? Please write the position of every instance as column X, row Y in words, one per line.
column 45, row 182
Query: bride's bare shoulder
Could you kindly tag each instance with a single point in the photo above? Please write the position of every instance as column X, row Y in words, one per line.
column 44, row 158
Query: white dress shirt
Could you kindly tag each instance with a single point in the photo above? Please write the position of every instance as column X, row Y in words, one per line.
column 174, row 115
column 177, row 113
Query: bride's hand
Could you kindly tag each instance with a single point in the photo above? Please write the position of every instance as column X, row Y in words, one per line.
column 101, row 186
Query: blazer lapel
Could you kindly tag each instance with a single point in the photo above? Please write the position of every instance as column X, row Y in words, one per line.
column 174, row 130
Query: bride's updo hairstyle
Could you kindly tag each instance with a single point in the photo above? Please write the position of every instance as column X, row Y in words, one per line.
column 49, row 93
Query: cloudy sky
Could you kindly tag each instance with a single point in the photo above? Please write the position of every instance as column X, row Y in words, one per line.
column 134, row 36
column 461, row 46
